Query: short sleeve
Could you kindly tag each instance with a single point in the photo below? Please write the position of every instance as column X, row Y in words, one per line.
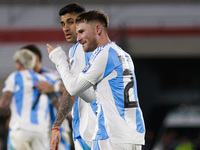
column 9, row 84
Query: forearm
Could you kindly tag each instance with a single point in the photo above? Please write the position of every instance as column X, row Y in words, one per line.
column 76, row 85
column 5, row 100
column 65, row 107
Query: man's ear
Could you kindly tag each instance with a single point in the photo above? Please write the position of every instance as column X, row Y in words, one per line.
column 98, row 29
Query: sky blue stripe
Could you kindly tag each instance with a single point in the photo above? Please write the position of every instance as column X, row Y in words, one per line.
column 51, row 81
column 73, row 50
column 83, row 143
column 65, row 144
column 87, row 57
column 76, row 120
column 139, row 122
column 94, row 106
column 18, row 95
column 116, row 84
column 95, row 145
column 34, row 112
column 52, row 114
column 101, row 133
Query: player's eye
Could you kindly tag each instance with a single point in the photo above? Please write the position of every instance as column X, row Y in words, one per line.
column 81, row 31
column 62, row 24
column 70, row 22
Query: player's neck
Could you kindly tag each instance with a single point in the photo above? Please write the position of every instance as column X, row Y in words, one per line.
column 104, row 40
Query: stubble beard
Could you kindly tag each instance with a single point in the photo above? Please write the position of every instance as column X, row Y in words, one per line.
column 93, row 45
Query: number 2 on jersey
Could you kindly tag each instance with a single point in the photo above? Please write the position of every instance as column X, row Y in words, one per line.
column 127, row 103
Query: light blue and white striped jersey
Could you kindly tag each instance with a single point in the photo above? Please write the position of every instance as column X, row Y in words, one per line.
column 26, row 113
column 84, row 114
column 120, row 118
column 53, row 77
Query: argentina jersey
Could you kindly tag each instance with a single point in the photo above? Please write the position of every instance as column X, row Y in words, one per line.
column 84, row 114
column 53, row 78
column 29, row 108
column 119, row 116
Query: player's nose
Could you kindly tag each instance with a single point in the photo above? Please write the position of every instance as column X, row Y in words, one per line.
column 78, row 38
column 66, row 28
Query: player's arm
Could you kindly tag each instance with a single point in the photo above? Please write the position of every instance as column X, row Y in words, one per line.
column 5, row 100
column 46, row 87
column 74, row 85
column 7, row 94
column 65, row 107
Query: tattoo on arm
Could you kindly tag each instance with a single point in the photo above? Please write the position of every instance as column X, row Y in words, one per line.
column 65, row 107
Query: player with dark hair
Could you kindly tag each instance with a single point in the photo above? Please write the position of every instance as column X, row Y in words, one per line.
column 84, row 114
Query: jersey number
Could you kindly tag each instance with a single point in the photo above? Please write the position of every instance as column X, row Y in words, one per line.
column 37, row 100
column 127, row 102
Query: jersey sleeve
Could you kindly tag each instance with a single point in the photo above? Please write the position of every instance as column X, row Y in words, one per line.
column 9, row 84
column 95, row 69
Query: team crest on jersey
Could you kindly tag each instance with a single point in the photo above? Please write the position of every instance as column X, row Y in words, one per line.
column 86, row 68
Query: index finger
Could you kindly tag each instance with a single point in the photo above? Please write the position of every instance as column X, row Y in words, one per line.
column 49, row 48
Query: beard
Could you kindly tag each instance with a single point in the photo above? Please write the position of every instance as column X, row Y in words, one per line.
column 91, row 46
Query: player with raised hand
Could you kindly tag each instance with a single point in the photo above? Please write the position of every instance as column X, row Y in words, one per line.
column 110, row 72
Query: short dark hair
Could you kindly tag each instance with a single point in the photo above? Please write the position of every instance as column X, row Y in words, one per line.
column 33, row 48
column 94, row 15
column 71, row 8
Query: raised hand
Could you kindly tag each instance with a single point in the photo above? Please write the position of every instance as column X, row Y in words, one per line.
column 49, row 48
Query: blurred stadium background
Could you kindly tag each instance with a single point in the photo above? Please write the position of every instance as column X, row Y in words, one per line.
column 162, row 36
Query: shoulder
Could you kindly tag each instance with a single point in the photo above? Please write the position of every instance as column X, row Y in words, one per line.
column 101, row 51
column 11, row 75
column 17, row 73
column 75, row 49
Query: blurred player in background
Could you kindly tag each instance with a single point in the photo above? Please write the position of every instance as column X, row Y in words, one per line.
column 111, row 72
column 29, row 122
column 84, row 114
column 53, row 88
